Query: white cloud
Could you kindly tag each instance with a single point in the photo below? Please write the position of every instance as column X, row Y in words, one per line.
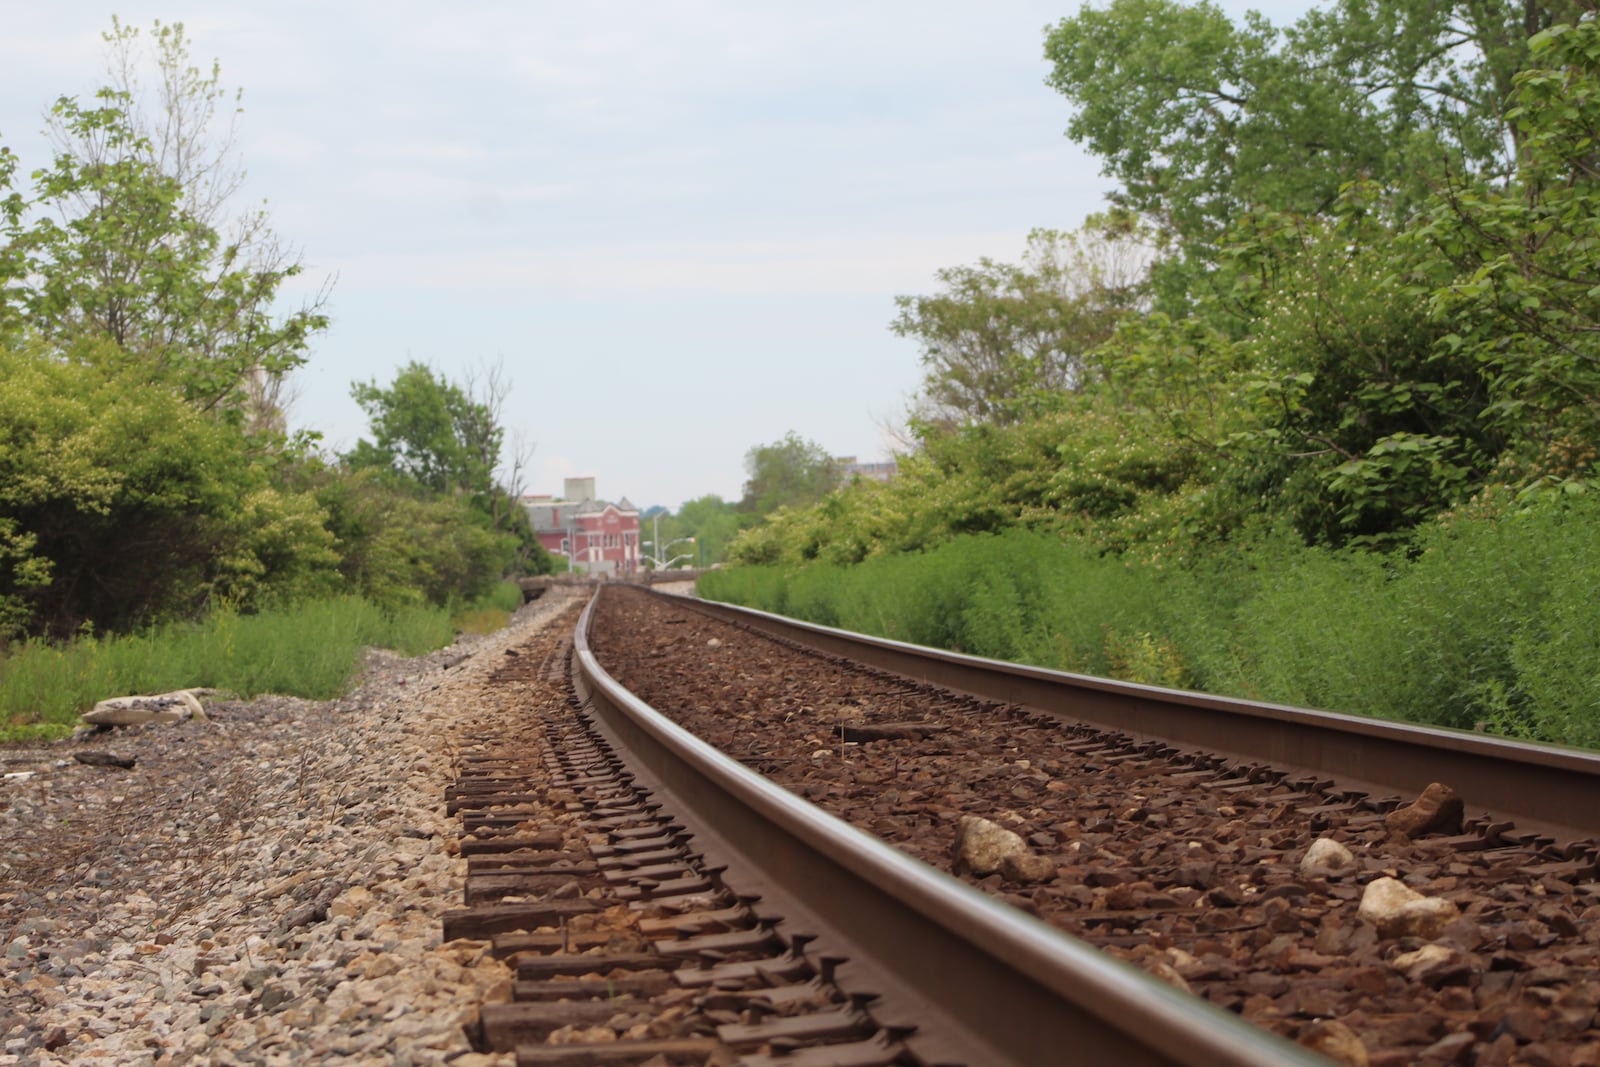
column 424, row 151
column 429, row 190
column 865, row 264
column 285, row 145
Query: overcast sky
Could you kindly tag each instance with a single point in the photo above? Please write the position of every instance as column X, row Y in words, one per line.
column 680, row 226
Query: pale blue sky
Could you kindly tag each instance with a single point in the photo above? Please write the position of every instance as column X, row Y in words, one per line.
column 681, row 226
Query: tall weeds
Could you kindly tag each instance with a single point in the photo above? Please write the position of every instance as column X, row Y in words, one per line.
column 1490, row 620
column 309, row 650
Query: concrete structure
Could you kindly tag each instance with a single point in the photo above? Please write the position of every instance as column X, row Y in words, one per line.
column 881, row 471
column 593, row 535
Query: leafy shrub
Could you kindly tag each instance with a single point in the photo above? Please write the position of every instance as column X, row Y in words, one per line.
column 120, row 504
column 1145, row 658
column 400, row 547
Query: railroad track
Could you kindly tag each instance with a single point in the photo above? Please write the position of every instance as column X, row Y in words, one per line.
column 695, row 909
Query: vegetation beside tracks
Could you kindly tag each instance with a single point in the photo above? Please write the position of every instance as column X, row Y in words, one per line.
column 311, row 649
column 1490, row 622
column 1312, row 414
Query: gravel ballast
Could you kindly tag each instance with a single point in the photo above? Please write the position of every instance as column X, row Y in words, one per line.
column 261, row 888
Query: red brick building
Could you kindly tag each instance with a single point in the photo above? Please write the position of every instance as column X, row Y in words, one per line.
column 593, row 535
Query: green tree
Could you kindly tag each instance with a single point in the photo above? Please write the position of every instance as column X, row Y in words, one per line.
column 713, row 523
column 436, row 441
column 1002, row 336
column 127, row 321
column 1202, row 119
column 428, row 430
column 1526, row 256
column 1358, row 421
column 122, row 238
column 710, row 520
column 792, row 472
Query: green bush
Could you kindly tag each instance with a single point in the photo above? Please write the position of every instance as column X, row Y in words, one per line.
column 120, row 504
column 400, row 546
column 1500, row 607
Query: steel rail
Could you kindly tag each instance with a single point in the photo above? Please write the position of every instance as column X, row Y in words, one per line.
column 1543, row 789
column 977, row 982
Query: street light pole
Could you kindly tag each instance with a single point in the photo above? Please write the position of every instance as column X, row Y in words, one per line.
column 658, row 552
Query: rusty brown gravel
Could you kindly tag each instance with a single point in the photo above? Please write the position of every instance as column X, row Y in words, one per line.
column 1171, row 864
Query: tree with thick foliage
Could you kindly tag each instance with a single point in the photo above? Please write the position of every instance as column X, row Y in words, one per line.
column 1201, row 119
column 1523, row 302
column 1355, row 420
column 793, row 472
column 1384, row 226
column 429, row 430
column 712, row 522
column 122, row 238
column 141, row 454
column 437, row 441
column 1003, row 336
column 144, row 472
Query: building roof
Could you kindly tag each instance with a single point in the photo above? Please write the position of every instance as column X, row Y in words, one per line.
column 540, row 509
column 595, row 507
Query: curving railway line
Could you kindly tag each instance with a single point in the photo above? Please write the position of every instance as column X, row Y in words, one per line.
column 782, row 844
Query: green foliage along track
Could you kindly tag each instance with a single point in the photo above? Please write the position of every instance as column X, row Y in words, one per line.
column 1491, row 624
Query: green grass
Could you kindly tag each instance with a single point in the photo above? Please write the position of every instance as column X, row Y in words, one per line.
column 491, row 613
column 1489, row 621
column 310, row 650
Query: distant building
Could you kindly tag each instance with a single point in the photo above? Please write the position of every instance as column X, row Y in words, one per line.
column 593, row 535
column 849, row 468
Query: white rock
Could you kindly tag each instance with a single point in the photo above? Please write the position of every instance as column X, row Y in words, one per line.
column 1325, row 856
column 1434, row 965
column 1427, row 954
column 983, row 847
column 1397, row 910
column 1167, row 973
